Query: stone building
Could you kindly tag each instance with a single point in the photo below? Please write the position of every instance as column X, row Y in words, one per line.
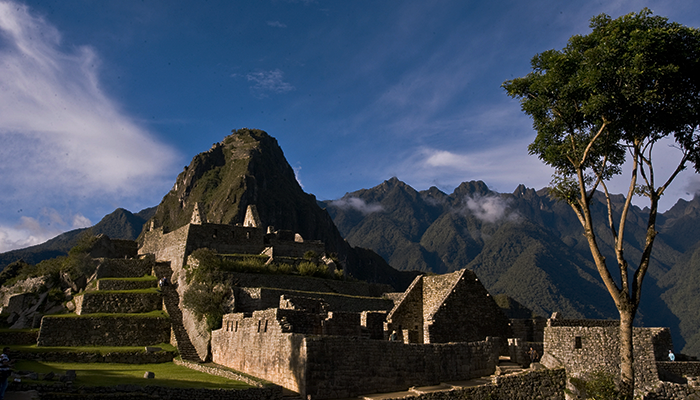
column 324, row 354
column 446, row 308
column 176, row 246
column 585, row 347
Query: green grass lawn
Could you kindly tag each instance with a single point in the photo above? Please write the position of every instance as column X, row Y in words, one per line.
column 151, row 314
column 87, row 349
column 140, row 278
column 98, row 374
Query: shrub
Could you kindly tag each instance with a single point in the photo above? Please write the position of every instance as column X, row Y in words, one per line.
column 599, row 386
column 312, row 269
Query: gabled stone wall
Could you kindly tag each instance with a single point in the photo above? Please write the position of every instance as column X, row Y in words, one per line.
column 407, row 316
column 468, row 313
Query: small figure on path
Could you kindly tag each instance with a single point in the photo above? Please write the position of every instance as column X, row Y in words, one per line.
column 393, row 337
column 534, row 357
column 162, row 283
column 671, row 356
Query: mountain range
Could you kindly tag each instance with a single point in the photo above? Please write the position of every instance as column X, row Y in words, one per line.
column 523, row 244
column 530, row 247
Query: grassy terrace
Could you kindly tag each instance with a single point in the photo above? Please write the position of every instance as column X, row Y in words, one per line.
column 152, row 314
column 137, row 279
column 87, row 349
column 99, row 292
column 166, row 374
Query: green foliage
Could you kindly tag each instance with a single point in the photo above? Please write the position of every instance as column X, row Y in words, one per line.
column 600, row 386
column 210, row 281
column 629, row 83
column 76, row 264
column 312, row 269
column 56, row 295
column 85, row 243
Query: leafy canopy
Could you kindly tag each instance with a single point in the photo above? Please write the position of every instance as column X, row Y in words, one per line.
column 629, row 83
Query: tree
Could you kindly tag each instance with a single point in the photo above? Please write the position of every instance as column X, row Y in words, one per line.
column 609, row 97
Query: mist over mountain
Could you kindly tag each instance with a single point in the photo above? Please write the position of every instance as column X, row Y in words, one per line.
column 530, row 247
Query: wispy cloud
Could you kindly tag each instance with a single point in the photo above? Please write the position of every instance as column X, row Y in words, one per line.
column 30, row 231
column 61, row 133
column 489, row 209
column 358, row 204
column 265, row 82
column 276, row 24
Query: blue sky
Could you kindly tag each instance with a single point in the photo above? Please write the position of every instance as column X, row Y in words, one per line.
column 102, row 103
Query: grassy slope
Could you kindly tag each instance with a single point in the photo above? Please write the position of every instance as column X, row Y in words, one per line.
column 166, row 374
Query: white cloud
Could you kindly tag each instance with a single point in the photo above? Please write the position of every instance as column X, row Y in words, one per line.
column 297, row 171
column 488, row 208
column 31, row 231
column 60, row 131
column 276, row 24
column 268, row 81
column 358, row 204
column 64, row 140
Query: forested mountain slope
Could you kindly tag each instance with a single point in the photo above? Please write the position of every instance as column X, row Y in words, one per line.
column 530, row 247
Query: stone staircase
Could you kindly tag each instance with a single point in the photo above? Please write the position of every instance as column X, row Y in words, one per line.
column 171, row 301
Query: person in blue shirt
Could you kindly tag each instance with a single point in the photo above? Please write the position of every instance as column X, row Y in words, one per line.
column 671, row 356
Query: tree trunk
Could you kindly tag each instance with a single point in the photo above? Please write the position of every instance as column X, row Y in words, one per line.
column 626, row 355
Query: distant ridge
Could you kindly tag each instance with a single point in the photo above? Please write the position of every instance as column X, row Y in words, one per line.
column 120, row 224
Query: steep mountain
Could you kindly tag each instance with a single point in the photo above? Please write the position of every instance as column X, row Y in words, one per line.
column 249, row 168
column 120, row 224
column 530, row 247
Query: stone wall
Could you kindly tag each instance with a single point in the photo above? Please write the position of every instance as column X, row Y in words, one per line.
column 130, row 392
column 123, row 267
column 103, row 331
column 251, row 299
column 227, row 373
column 117, row 302
column 340, row 366
column 373, row 324
column 296, row 249
column 587, row 346
column 18, row 337
column 310, row 284
column 678, row 368
column 226, row 239
column 85, row 357
column 541, row 384
column 529, row 330
column 125, row 284
column 519, row 351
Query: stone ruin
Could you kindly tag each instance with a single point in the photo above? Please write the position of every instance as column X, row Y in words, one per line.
column 330, row 339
